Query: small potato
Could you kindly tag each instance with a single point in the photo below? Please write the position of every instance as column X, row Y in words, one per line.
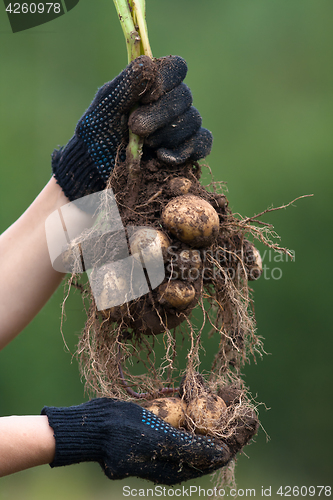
column 171, row 410
column 192, row 220
column 148, row 321
column 185, row 265
column 221, row 201
column 176, row 294
column 108, row 286
column 253, row 261
column 180, row 185
column 205, row 413
column 189, row 265
column 116, row 283
column 190, row 256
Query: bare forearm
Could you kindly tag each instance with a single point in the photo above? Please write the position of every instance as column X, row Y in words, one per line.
column 27, row 277
column 25, row 442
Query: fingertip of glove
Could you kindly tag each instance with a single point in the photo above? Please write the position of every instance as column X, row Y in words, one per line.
column 134, row 81
column 204, row 141
column 170, row 72
column 197, row 147
column 144, row 64
column 146, row 69
column 173, row 64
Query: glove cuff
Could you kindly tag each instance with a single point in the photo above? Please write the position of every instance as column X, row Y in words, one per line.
column 75, row 171
column 79, row 432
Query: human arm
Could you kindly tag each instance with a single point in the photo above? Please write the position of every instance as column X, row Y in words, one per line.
column 28, row 279
column 26, row 441
column 172, row 130
column 125, row 439
column 24, row 245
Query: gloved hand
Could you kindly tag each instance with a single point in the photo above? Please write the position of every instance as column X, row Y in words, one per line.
column 128, row 440
column 170, row 125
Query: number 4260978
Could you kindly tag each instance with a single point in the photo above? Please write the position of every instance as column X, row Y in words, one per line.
column 304, row 491
column 34, row 8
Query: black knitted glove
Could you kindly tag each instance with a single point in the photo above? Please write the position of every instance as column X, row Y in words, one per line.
column 167, row 120
column 128, row 440
column 170, row 125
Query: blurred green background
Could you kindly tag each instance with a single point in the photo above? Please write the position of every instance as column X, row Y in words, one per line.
column 261, row 74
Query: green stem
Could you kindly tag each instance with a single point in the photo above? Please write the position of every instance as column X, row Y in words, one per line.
column 132, row 37
column 132, row 19
column 140, row 14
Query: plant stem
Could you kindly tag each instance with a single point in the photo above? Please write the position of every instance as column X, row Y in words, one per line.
column 132, row 19
column 132, row 37
column 140, row 15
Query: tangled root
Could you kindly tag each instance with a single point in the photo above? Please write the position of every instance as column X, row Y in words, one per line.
column 117, row 340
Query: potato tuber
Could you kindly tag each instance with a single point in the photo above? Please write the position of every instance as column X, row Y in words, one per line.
column 151, row 240
column 171, row 410
column 205, row 413
column 192, row 220
column 176, row 294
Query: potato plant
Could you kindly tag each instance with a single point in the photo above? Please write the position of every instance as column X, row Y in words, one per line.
column 209, row 260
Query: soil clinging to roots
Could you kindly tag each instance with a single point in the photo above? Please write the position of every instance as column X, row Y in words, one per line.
column 206, row 283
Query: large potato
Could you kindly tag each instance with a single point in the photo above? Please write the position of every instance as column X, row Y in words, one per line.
column 205, row 412
column 171, row 410
column 192, row 220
